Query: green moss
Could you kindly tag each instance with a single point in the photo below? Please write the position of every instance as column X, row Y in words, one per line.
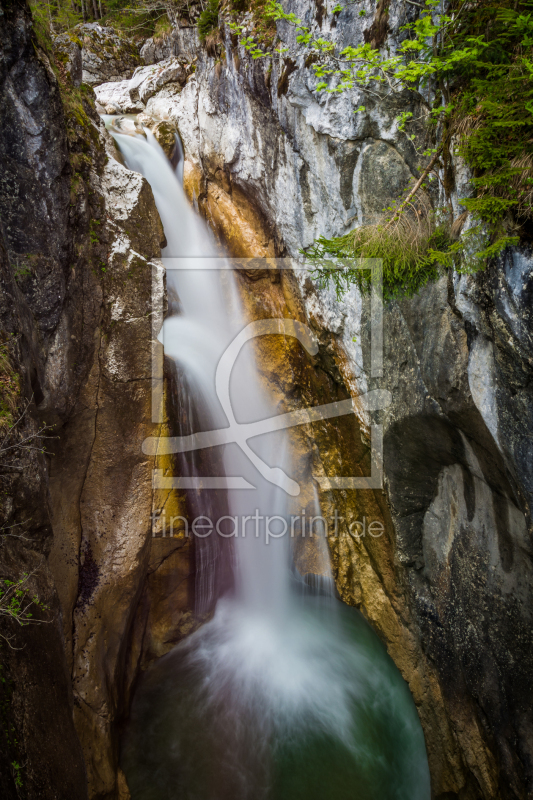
column 93, row 231
column 76, row 100
column 74, row 38
column 162, row 27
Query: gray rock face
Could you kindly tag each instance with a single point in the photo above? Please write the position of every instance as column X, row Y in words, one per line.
column 106, row 55
column 313, row 166
column 131, row 96
column 458, row 361
column 180, row 41
column 457, row 457
column 154, row 51
column 77, row 233
column 457, row 437
column 37, row 288
column 100, row 552
column 68, row 52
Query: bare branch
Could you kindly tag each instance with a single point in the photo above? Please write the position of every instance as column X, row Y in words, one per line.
column 415, row 188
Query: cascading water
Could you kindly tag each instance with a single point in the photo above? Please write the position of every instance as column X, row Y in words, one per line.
column 284, row 693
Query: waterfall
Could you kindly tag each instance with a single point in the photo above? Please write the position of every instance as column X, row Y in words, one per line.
column 284, row 693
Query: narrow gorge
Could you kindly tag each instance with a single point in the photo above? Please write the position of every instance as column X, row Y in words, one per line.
column 266, row 524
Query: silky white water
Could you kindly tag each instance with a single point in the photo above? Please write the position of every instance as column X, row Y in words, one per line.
column 283, row 694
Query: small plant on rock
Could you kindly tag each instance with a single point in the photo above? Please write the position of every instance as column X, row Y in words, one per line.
column 208, row 20
column 17, row 603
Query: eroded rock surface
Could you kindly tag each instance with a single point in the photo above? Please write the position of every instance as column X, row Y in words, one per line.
column 68, row 55
column 106, row 55
column 80, row 238
column 272, row 165
column 181, row 40
column 45, row 277
column 130, row 96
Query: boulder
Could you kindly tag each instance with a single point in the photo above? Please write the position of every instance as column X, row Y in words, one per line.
column 182, row 40
column 67, row 53
column 172, row 70
column 154, row 50
column 106, row 55
column 115, row 98
column 130, row 96
column 165, row 133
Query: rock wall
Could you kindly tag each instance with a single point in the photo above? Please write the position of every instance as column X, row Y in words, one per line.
column 80, row 238
column 106, row 55
column 100, row 481
column 43, row 283
column 460, row 490
column 272, row 164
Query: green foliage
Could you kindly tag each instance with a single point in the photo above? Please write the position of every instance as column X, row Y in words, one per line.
column 133, row 18
column 412, row 253
column 16, row 602
column 54, row 17
column 162, row 27
column 17, row 776
column 136, row 18
column 208, row 20
column 93, row 230
column 475, row 64
column 409, row 252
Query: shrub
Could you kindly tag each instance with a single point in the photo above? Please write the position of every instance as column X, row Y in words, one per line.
column 208, row 20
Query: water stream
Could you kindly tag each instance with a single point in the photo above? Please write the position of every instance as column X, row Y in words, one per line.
column 285, row 693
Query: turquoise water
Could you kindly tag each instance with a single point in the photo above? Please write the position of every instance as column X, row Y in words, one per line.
column 316, row 710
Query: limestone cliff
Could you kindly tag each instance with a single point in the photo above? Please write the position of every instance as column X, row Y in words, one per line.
column 80, row 239
column 272, row 165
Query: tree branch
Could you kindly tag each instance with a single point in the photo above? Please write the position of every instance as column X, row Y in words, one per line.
column 415, row 188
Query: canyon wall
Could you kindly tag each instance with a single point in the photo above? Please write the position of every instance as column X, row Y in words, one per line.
column 79, row 247
column 271, row 164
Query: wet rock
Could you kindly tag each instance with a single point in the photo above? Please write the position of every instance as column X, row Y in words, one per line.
column 102, row 524
column 238, row 224
column 123, row 792
column 193, row 182
column 165, row 133
column 77, row 252
column 47, row 312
